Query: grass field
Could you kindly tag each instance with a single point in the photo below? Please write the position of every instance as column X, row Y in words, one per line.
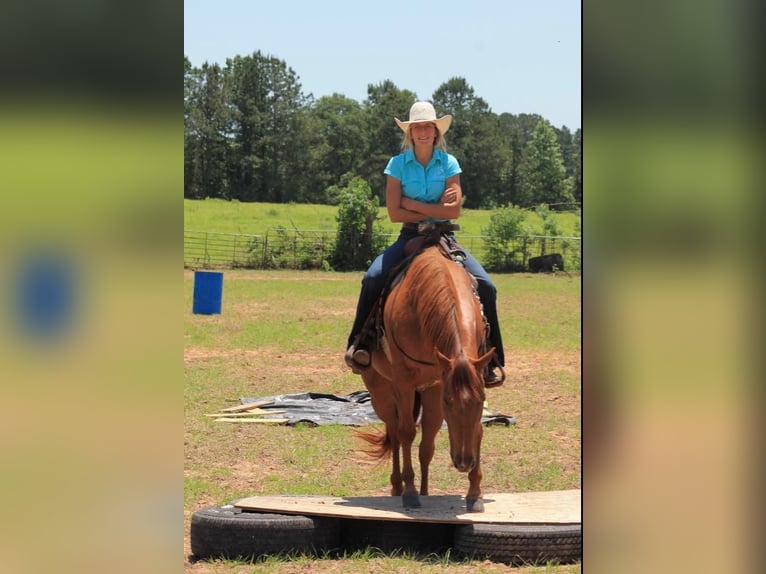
column 285, row 331
column 216, row 215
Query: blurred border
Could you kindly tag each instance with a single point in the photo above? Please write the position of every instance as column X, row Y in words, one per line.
column 672, row 147
column 92, row 154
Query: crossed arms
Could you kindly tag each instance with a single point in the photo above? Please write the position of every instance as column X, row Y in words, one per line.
column 406, row 210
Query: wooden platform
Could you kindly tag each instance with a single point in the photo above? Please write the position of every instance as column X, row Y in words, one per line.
column 553, row 507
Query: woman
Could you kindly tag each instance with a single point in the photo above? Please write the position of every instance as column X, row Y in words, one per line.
column 422, row 185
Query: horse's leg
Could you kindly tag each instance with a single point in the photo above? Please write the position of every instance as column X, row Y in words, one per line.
column 389, row 416
column 430, row 424
column 384, row 405
column 396, row 472
column 473, row 500
column 406, row 435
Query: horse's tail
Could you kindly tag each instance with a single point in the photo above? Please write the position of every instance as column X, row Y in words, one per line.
column 416, row 408
column 380, row 445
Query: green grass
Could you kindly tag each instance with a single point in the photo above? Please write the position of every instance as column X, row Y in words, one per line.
column 285, row 331
column 541, row 311
column 372, row 561
column 216, row 215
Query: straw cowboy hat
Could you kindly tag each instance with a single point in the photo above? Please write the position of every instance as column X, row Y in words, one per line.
column 421, row 112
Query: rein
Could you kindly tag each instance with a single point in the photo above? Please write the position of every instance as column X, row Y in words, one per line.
column 396, row 343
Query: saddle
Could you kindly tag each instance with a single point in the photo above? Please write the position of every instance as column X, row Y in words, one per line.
column 429, row 234
column 432, row 234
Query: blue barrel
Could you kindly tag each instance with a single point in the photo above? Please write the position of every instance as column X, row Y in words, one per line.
column 208, row 287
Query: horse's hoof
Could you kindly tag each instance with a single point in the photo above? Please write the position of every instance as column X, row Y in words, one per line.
column 411, row 500
column 474, row 505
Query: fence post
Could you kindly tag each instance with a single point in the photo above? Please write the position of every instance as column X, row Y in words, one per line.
column 265, row 248
column 524, row 251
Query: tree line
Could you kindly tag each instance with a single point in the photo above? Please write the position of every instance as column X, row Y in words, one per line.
column 251, row 134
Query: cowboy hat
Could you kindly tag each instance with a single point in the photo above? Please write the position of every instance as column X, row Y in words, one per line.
column 421, row 112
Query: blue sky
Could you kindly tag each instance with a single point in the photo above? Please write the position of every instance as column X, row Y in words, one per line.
column 520, row 56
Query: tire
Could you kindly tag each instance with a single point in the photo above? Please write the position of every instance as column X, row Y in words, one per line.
column 519, row 544
column 396, row 536
column 229, row 532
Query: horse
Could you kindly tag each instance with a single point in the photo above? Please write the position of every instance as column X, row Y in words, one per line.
column 429, row 363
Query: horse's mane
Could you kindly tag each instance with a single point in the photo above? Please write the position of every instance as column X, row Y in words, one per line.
column 435, row 297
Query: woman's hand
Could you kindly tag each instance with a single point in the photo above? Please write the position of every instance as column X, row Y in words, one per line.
column 450, row 195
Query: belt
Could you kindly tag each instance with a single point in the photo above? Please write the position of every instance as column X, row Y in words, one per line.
column 431, row 226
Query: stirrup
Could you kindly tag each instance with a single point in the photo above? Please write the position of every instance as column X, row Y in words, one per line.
column 491, row 380
column 359, row 360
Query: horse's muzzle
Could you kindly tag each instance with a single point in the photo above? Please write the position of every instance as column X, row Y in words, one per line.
column 464, row 464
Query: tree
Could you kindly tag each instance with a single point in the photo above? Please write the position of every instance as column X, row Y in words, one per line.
column 251, row 134
column 564, row 138
column 268, row 100
column 384, row 102
column 527, row 124
column 512, row 145
column 340, row 131
column 577, row 166
column 474, row 139
column 191, row 187
column 360, row 236
column 207, row 128
column 506, row 226
column 543, row 176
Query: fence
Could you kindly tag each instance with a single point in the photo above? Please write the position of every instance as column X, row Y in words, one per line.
column 311, row 249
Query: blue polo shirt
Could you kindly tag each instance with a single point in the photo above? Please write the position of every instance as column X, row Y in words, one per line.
column 420, row 183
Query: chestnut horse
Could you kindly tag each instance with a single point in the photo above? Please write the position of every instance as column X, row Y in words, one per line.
column 430, row 357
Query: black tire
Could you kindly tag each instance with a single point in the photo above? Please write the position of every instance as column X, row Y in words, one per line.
column 391, row 536
column 229, row 532
column 520, row 544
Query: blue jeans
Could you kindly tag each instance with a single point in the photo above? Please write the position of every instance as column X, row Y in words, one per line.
column 375, row 278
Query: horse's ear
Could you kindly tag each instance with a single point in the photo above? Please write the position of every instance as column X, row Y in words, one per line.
column 445, row 364
column 484, row 360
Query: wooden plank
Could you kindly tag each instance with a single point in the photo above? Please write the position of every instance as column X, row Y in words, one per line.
column 251, row 413
column 252, row 420
column 246, row 407
column 552, row 507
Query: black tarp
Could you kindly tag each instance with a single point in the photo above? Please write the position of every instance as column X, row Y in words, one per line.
column 354, row 409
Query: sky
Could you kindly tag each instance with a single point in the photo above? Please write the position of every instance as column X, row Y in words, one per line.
column 520, row 56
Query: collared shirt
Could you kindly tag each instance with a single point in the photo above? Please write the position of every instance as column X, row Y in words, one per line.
column 420, row 183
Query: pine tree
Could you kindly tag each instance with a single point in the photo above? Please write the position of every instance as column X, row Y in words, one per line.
column 543, row 175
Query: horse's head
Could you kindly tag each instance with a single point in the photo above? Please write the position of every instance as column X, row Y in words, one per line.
column 463, row 401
